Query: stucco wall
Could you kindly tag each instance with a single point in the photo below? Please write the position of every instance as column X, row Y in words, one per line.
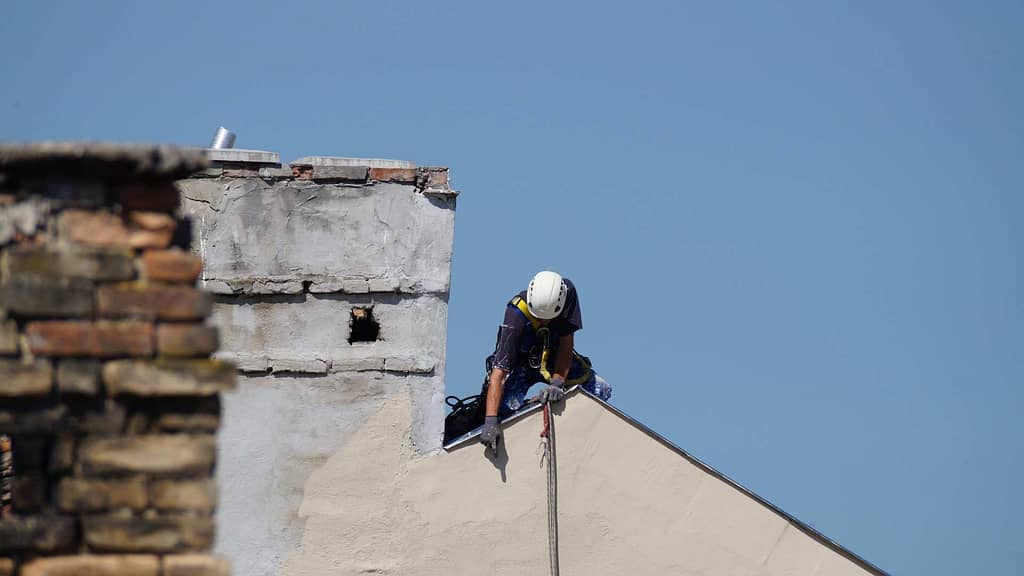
column 289, row 259
column 627, row 505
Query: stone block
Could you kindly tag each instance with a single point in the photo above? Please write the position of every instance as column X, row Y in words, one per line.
column 105, row 419
column 97, row 495
column 41, row 421
column 275, row 286
column 78, row 376
column 195, row 565
column 341, row 173
column 107, row 229
column 171, row 266
column 91, row 263
column 8, row 337
column 168, row 377
column 163, row 302
column 357, row 364
column 18, row 378
column 39, row 533
column 186, row 340
column 383, row 285
column 325, row 285
column 93, row 339
column 401, row 175
column 154, row 221
column 155, row 197
column 245, row 363
column 62, row 455
column 193, row 423
column 299, row 365
column 105, row 565
column 195, row 495
column 275, row 173
column 355, row 286
column 155, row 534
column 29, row 494
column 158, row 454
column 41, row 296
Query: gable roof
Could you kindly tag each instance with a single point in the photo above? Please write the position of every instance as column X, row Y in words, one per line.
column 532, row 412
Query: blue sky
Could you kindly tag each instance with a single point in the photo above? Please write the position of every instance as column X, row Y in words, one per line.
column 795, row 226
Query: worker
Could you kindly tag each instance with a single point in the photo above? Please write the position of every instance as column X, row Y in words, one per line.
column 535, row 344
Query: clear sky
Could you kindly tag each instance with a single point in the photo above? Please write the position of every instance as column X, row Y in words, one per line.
column 796, row 227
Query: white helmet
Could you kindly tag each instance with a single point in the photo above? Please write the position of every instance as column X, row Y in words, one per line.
column 546, row 295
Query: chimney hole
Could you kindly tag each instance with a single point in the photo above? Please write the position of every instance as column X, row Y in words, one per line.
column 363, row 328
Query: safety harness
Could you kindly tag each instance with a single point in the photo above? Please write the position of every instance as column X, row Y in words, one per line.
column 540, row 360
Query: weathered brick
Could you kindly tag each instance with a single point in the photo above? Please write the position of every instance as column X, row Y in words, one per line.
column 156, row 197
column 197, row 495
column 195, row 565
column 432, row 177
column 106, row 229
column 104, row 565
column 187, row 340
column 18, row 378
column 44, row 420
column 171, row 266
column 62, row 456
column 41, row 296
column 168, row 377
column 187, row 423
column 7, row 567
column 79, row 376
column 29, row 492
column 94, row 339
column 102, row 419
column 171, row 454
column 164, row 302
column 152, row 220
column 96, row 495
column 8, row 337
column 89, row 262
column 403, row 175
column 41, row 533
column 158, row 534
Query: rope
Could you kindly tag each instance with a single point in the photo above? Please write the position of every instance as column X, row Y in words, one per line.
column 548, row 433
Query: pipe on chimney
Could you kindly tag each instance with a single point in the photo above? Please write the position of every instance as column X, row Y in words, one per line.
column 224, row 138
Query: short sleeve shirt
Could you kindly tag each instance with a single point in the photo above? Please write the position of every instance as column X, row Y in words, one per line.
column 516, row 336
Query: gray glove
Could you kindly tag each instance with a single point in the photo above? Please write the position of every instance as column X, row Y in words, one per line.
column 553, row 392
column 491, row 433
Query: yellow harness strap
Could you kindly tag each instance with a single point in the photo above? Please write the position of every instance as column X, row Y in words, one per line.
column 542, row 333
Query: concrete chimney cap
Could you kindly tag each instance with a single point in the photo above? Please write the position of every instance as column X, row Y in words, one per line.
column 243, row 155
column 343, row 161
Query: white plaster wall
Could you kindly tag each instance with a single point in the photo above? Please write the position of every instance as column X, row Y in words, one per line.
column 249, row 228
column 627, row 503
column 289, row 260
column 316, row 327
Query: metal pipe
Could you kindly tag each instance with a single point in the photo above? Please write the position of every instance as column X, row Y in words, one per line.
column 224, row 138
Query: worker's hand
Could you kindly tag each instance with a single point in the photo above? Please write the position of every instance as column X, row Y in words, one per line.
column 491, row 433
column 554, row 391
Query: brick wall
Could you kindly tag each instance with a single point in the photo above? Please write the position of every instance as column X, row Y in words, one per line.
column 108, row 396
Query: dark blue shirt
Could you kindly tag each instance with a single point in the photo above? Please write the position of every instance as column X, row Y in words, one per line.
column 516, row 336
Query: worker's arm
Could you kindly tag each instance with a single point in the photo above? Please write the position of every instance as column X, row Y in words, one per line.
column 495, row 386
column 564, row 358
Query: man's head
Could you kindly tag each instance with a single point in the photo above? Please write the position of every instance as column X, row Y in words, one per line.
column 546, row 295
